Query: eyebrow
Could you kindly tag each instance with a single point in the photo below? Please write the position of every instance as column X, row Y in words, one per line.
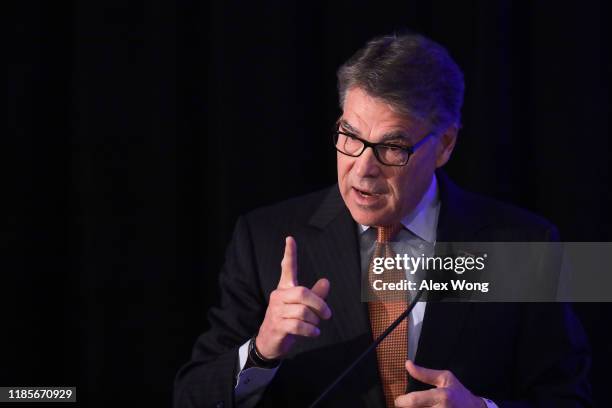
column 393, row 135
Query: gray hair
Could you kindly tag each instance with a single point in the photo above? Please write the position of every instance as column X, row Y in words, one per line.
column 412, row 73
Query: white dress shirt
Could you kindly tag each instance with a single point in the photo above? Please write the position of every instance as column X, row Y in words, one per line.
column 418, row 237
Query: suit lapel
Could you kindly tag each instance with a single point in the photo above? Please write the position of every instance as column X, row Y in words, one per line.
column 335, row 255
column 444, row 321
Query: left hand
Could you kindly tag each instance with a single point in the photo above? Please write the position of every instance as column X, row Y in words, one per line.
column 449, row 392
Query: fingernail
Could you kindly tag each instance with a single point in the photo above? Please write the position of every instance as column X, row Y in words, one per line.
column 317, row 331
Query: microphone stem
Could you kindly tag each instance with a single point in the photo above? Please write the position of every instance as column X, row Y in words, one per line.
column 370, row 348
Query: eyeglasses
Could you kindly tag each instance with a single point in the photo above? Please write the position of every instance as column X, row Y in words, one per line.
column 388, row 154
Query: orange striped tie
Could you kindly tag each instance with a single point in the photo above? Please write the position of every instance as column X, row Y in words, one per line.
column 392, row 352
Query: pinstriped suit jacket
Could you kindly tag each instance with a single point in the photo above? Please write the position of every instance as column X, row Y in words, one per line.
column 518, row 355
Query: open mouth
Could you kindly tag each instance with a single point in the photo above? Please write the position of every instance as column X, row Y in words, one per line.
column 365, row 193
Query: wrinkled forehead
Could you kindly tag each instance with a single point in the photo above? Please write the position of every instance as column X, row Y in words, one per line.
column 375, row 119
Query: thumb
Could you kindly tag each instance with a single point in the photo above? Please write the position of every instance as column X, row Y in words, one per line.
column 288, row 277
column 425, row 375
column 321, row 288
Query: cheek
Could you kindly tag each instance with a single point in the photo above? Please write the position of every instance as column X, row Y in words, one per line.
column 400, row 186
column 344, row 166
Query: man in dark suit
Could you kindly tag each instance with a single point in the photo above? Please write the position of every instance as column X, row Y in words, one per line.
column 283, row 333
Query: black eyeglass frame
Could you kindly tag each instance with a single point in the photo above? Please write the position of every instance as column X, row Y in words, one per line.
column 409, row 149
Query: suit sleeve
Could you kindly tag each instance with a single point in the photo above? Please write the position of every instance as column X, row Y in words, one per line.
column 555, row 357
column 554, row 366
column 208, row 379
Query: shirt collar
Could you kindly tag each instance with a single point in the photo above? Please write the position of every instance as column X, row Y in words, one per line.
column 423, row 221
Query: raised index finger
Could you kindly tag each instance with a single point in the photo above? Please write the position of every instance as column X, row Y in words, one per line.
column 288, row 277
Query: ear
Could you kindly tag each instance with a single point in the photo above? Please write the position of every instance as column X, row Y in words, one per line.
column 446, row 145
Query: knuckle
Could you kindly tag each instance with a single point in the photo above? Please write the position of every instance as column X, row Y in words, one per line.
column 292, row 325
column 276, row 295
column 273, row 295
column 321, row 310
column 303, row 312
column 314, row 319
column 300, row 326
column 447, row 375
column 307, row 315
column 302, row 291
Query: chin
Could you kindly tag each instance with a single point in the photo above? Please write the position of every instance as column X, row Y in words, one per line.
column 377, row 214
column 371, row 218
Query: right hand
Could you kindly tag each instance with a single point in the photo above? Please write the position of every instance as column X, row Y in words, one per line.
column 293, row 310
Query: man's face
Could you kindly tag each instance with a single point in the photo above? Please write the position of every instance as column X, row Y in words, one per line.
column 374, row 193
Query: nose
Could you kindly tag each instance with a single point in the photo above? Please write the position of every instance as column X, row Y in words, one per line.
column 367, row 165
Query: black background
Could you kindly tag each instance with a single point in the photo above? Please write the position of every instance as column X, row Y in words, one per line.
column 139, row 131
